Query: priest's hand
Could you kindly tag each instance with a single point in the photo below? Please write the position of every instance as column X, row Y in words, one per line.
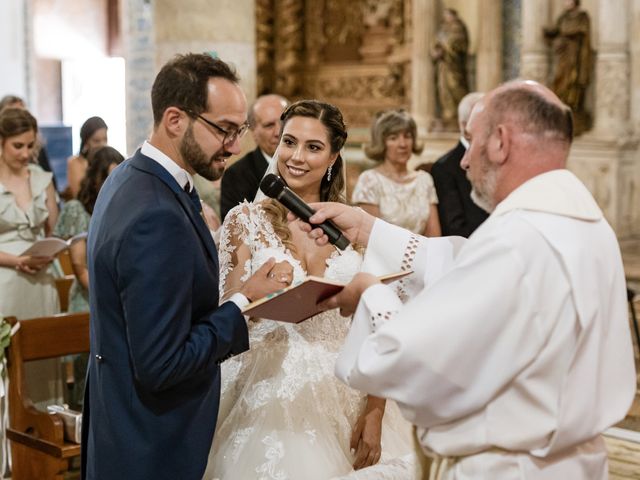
column 367, row 434
column 261, row 283
column 347, row 300
column 355, row 223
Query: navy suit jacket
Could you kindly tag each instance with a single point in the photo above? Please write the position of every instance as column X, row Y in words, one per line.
column 459, row 215
column 242, row 180
column 157, row 333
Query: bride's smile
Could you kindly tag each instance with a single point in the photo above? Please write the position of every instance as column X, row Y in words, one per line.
column 305, row 156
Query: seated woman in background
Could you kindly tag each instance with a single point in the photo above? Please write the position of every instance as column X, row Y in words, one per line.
column 93, row 135
column 283, row 413
column 390, row 191
column 74, row 219
column 28, row 212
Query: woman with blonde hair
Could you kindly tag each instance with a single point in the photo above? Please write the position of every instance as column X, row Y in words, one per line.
column 390, row 190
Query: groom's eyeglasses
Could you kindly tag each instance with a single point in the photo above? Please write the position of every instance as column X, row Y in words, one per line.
column 228, row 136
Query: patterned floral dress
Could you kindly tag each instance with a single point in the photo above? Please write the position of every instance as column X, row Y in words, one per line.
column 283, row 414
column 74, row 220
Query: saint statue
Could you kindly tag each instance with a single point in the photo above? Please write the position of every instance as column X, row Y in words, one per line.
column 449, row 54
column 572, row 60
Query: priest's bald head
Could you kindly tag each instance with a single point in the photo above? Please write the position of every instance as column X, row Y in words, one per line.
column 516, row 132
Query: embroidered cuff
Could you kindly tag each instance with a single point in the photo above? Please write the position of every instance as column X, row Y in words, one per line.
column 381, row 304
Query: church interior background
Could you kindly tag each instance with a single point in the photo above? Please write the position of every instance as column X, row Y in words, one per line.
column 71, row 60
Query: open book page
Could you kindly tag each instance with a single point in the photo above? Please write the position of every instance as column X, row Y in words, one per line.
column 300, row 300
column 51, row 246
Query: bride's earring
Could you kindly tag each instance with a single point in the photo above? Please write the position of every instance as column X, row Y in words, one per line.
column 329, row 173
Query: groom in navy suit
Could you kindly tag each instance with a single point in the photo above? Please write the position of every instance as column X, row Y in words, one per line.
column 158, row 334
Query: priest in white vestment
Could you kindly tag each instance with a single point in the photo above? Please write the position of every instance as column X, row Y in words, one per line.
column 510, row 351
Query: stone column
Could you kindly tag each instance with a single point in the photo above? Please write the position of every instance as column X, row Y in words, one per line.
column 15, row 52
column 606, row 158
column 140, row 69
column 224, row 27
column 154, row 31
column 612, row 70
column 534, row 59
column 423, row 94
column 489, row 50
column 635, row 66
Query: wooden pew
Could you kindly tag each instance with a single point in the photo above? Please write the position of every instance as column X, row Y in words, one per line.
column 38, row 448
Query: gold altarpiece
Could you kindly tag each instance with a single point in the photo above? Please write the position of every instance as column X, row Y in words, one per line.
column 353, row 54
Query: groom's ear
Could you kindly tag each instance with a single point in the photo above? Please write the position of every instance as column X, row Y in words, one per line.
column 174, row 122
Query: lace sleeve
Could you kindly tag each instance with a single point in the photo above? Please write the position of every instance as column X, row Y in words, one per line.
column 234, row 251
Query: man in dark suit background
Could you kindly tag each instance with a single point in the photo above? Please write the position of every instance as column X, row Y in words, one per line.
column 158, row 335
column 459, row 215
column 242, row 179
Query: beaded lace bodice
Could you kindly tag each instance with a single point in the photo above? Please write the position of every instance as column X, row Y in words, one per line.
column 248, row 224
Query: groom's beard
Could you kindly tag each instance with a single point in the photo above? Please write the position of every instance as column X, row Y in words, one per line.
column 210, row 168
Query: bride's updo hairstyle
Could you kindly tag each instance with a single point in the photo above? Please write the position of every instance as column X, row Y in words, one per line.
column 330, row 190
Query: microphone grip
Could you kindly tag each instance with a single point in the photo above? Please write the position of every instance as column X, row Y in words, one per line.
column 334, row 234
column 294, row 203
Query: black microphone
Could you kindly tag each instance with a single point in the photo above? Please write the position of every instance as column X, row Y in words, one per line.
column 273, row 186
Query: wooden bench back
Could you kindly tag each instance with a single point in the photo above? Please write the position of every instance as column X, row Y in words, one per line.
column 38, row 447
column 49, row 337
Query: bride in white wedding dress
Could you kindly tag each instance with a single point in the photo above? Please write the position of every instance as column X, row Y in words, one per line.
column 283, row 414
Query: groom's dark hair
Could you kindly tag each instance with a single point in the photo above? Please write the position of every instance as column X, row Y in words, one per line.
column 182, row 83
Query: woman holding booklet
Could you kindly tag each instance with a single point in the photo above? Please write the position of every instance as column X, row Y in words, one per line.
column 283, row 414
column 28, row 212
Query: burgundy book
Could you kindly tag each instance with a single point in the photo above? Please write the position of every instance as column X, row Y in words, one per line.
column 300, row 300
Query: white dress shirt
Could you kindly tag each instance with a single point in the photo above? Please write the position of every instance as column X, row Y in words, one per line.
column 183, row 178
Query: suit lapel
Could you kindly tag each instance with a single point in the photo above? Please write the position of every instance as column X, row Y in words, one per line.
column 144, row 163
column 260, row 164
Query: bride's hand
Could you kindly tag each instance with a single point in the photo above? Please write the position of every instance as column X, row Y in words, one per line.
column 261, row 283
column 282, row 272
column 367, row 434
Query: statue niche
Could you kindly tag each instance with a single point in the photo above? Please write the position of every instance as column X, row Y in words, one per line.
column 449, row 54
column 570, row 40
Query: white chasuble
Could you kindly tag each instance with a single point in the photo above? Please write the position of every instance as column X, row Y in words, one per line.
column 512, row 352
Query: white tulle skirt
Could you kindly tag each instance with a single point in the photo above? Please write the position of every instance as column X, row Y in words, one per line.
column 284, row 415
